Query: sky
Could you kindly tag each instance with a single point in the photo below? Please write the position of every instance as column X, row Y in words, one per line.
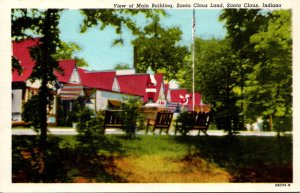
column 97, row 47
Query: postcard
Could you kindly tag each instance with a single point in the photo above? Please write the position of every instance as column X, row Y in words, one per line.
column 142, row 96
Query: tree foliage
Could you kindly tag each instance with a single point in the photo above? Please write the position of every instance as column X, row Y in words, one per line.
column 31, row 113
column 90, row 129
column 263, row 42
column 269, row 88
column 67, row 51
column 117, row 18
column 241, row 24
column 247, row 75
column 158, row 47
column 217, row 78
column 16, row 65
column 26, row 23
column 122, row 67
column 44, row 24
column 133, row 119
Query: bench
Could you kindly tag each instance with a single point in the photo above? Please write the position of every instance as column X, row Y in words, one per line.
column 202, row 122
column 113, row 119
column 193, row 121
column 162, row 121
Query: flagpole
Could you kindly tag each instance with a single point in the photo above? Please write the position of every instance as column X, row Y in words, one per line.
column 193, row 55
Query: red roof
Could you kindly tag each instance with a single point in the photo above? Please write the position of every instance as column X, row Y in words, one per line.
column 166, row 89
column 133, row 84
column 98, row 80
column 197, row 98
column 67, row 66
column 21, row 51
column 159, row 80
column 177, row 92
column 136, row 84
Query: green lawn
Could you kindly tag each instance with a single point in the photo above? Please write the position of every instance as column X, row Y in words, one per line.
column 156, row 158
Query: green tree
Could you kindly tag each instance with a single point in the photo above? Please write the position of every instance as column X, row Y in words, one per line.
column 90, row 129
column 269, row 89
column 133, row 119
column 44, row 24
column 262, row 41
column 217, row 70
column 241, row 24
column 120, row 19
column 22, row 21
column 158, row 47
column 122, row 66
column 67, row 51
column 43, row 70
column 31, row 113
column 16, row 65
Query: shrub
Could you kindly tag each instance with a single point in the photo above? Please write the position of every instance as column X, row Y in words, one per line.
column 72, row 116
column 185, row 119
column 31, row 111
column 61, row 115
column 133, row 119
column 90, row 128
column 66, row 117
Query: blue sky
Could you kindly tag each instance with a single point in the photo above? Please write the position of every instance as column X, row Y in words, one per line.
column 97, row 47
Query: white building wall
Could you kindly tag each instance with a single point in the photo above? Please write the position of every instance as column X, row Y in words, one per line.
column 75, row 77
column 102, row 98
column 161, row 97
column 101, row 101
column 16, row 104
column 125, row 71
column 115, row 86
column 169, row 96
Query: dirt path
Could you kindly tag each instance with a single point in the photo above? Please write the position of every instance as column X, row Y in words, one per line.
column 158, row 169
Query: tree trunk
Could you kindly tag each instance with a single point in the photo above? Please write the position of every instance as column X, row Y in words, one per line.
column 43, row 134
column 47, row 70
column 271, row 122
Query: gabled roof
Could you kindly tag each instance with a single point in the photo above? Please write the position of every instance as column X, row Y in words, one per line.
column 21, row 51
column 99, row 80
column 166, row 89
column 197, row 98
column 159, row 80
column 133, row 84
column 175, row 93
column 136, row 84
column 67, row 66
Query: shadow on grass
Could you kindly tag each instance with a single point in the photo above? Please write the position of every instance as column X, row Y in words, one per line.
column 67, row 161
column 248, row 159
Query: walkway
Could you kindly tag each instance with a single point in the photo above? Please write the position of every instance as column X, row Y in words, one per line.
column 71, row 131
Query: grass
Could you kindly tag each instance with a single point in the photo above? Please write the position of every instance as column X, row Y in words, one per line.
column 160, row 159
column 165, row 160
column 248, row 158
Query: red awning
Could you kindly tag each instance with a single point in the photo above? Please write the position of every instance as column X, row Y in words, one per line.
column 71, row 91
